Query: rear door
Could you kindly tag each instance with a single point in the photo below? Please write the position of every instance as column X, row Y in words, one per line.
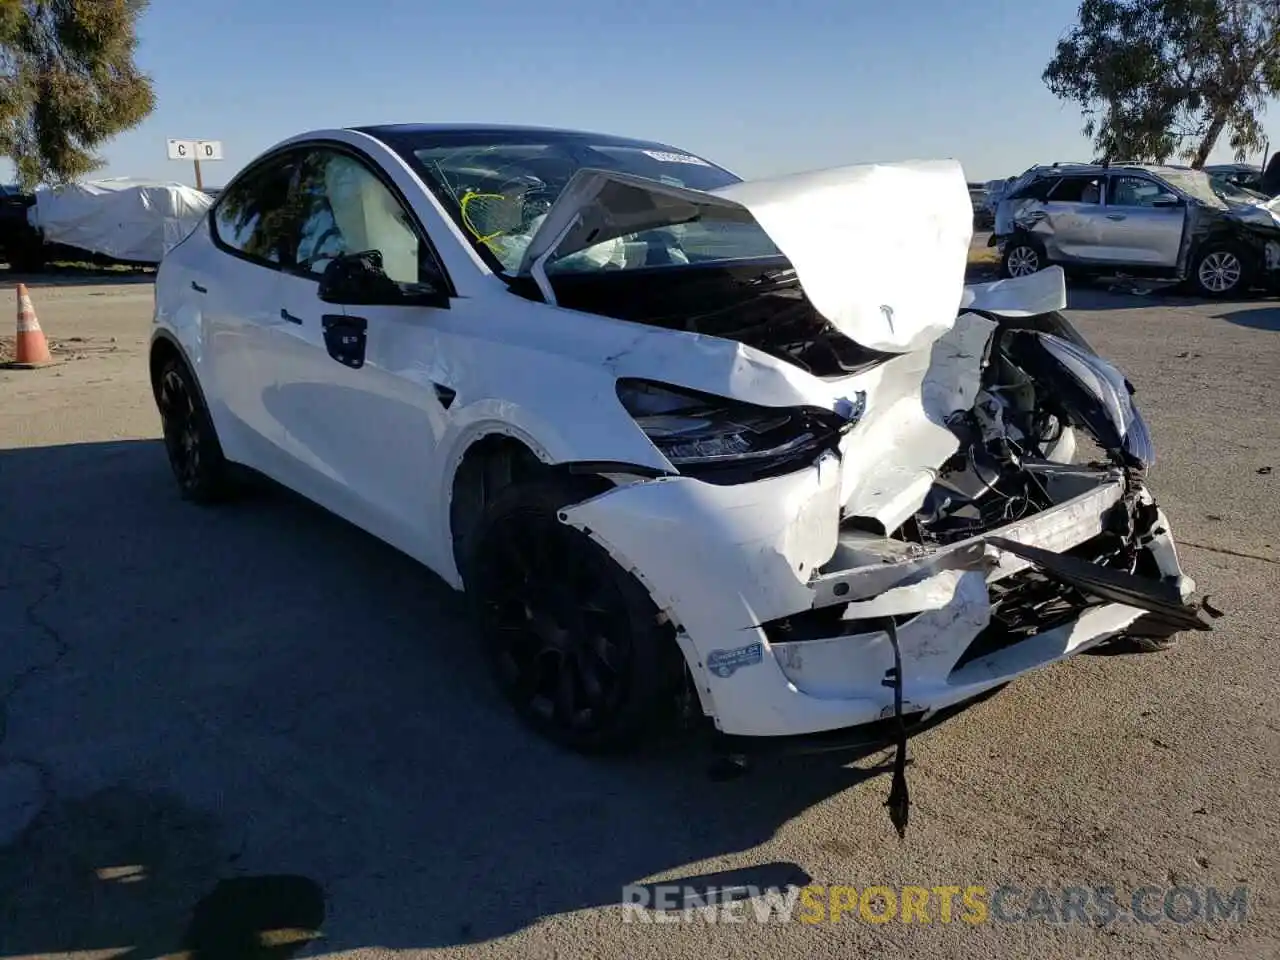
column 1075, row 218
column 1144, row 221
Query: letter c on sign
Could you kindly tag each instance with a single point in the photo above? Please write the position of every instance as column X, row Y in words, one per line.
column 182, row 149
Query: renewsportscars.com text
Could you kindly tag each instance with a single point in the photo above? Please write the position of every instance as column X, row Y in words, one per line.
column 973, row 904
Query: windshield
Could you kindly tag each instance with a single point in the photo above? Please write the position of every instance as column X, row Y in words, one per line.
column 498, row 189
column 1195, row 184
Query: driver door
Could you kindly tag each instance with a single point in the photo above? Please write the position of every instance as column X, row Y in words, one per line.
column 1144, row 221
column 351, row 386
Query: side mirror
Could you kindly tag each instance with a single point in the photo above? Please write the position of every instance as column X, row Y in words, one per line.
column 1166, row 200
column 358, row 279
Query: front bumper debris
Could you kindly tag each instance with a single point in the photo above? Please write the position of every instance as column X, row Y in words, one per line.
column 779, row 609
column 794, row 627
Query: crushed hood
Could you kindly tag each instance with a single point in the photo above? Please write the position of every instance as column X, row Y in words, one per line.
column 1260, row 213
column 879, row 249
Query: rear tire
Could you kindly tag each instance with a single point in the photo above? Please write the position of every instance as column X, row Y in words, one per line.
column 573, row 642
column 195, row 455
column 1022, row 257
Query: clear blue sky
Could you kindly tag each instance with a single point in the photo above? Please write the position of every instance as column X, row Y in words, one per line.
column 761, row 86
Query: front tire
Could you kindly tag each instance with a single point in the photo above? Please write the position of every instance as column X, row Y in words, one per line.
column 195, row 455
column 1221, row 270
column 1021, row 258
column 573, row 641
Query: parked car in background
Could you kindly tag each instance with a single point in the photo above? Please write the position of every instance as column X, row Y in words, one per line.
column 20, row 245
column 983, row 214
column 1244, row 175
column 1161, row 222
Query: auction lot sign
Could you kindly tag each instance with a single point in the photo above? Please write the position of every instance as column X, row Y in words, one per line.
column 973, row 905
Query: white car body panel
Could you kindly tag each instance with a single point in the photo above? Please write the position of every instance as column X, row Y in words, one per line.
column 1041, row 292
column 376, row 445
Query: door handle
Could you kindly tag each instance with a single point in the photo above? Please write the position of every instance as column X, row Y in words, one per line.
column 286, row 315
column 1115, row 216
column 197, row 288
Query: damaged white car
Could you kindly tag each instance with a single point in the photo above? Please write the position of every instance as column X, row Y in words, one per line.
column 749, row 447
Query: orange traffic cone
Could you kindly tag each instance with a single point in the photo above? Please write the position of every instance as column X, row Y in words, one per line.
column 31, row 349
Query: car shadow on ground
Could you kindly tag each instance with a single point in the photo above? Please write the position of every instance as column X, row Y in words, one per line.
column 1255, row 318
column 1101, row 294
column 257, row 718
column 72, row 276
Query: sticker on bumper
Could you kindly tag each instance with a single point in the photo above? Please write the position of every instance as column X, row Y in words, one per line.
column 723, row 663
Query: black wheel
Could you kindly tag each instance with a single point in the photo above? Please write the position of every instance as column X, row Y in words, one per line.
column 189, row 438
column 1022, row 257
column 1221, row 270
column 573, row 641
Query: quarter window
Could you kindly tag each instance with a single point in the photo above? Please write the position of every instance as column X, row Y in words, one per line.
column 344, row 208
column 253, row 217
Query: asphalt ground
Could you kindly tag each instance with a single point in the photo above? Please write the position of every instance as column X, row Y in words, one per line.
column 216, row 722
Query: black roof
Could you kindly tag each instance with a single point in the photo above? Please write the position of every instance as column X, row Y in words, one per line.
column 402, row 132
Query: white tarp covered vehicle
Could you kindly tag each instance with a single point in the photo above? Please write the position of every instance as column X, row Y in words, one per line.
column 752, row 448
column 127, row 220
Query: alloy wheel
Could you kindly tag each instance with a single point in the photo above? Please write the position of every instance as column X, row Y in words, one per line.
column 181, row 428
column 1220, row 271
column 1023, row 261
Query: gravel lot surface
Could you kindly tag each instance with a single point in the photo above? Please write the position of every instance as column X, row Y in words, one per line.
column 257, row 717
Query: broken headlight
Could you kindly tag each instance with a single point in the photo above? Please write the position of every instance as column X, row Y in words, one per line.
column 703, row 434
column 1088, row 389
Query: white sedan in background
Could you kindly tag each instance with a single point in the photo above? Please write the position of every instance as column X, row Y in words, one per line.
column 747, row 448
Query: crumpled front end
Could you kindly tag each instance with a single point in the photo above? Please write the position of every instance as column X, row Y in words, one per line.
column 947, row 545
column 1257, row 225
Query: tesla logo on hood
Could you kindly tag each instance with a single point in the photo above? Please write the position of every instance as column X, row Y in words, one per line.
column 888, row 315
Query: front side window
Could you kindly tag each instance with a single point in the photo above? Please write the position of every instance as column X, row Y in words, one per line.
column 498, row 188
column 342, row 207
column 1135, row 192
column 252, row 217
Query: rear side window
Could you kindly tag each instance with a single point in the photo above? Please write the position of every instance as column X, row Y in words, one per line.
column 252, row 217
column 1037, row 189
column 1077, row 190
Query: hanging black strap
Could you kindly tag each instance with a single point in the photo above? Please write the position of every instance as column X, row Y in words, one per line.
column 899, row 802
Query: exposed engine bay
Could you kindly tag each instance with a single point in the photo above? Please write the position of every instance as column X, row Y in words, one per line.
column 760, row 304
column 1034, row 400
column 1020, row 480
